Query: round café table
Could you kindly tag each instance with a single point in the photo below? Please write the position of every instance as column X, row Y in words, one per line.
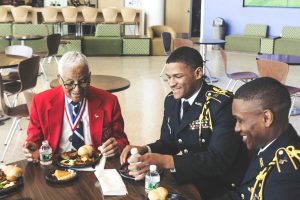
column 288, row 59
column 105, row 82
column 86, row 186
column 23, row 38
column 8, row 61
column 204, row 42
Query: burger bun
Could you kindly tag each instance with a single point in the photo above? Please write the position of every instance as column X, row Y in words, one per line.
column 12, row 172
column 159, row 193
column 85, row 151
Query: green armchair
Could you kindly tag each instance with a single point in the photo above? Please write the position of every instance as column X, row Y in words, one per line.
column 107, row 41
column 250, row 41
column 289, row 42
column 5, row 29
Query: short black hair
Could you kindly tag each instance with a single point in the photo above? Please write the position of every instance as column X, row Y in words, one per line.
column 273, row 95
column 186, row 55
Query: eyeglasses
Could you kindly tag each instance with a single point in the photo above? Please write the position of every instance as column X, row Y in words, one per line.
column 70, row 86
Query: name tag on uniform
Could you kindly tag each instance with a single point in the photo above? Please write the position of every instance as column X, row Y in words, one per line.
column 195, row 125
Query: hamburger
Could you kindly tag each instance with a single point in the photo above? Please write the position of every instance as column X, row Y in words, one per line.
column 85, row 151
column 159, row 193
column 12, row 172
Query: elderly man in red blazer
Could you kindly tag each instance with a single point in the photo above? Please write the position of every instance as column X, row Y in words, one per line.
column 75, row 113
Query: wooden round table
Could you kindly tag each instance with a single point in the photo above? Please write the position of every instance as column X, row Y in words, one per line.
column 87, row 186
column 8, row 61
column 105, row 82
column 23, row 38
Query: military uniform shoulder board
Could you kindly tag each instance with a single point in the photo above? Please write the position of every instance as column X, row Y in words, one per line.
column 282, row 156
column 217, row 94
column 285, row 155
column 170, row 94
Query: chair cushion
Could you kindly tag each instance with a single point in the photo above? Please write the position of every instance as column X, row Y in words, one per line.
column 243, row 43
column 3, row 44
column 93, row 46
column 72, row 44
column 287, row 46
column 136, row 46
column 32, row 29
column 5, row 29
column 256, row 30
column 291, row 32
column 36, row 45
column 108, row 30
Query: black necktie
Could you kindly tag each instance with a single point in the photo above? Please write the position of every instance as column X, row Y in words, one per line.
column 185, row 107
column 78, row 136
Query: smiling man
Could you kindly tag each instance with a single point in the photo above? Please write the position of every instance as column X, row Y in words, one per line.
column 197, row 123
column 261, row 108
column 75, row 113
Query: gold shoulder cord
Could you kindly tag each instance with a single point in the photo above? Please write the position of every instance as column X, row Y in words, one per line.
column 205, row 115
column 292, row 154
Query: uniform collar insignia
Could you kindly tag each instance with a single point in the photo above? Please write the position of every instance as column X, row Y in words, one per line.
column 261, row 162
column 198, row 103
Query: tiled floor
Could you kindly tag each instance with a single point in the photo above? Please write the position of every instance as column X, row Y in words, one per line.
column 142, row 103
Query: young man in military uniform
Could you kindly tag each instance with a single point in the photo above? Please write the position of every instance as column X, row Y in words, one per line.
column 197, row 123
column 261, row 108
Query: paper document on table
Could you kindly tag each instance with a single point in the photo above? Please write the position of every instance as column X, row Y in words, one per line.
column 111, row 182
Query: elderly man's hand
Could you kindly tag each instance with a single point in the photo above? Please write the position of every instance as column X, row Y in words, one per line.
column 126, row 151
column 110, row 147
column 31, row 152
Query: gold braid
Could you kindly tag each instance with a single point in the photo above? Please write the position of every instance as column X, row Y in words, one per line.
column 292, row 154
column 205, row 114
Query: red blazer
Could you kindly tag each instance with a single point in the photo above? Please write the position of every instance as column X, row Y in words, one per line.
column 47, row 110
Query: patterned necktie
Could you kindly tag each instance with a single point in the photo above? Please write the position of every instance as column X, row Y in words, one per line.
column 77, row 137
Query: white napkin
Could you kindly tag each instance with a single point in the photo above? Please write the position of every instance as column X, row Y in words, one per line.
column 100, row 166
column 110, row 180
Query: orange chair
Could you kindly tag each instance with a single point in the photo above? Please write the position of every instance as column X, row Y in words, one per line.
column 180, row 42
column 70, row 14
column 89, row 17
column 236, row 76
column 279, row 71
column 4, row 18
column 50, row 17
column 129, row 17
column 110, row 15
column 20, row 14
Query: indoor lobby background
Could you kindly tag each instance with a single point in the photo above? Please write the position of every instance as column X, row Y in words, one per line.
column 142, row 102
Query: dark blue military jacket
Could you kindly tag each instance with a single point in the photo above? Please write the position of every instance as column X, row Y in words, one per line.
column 213, row 156
column 274, row 174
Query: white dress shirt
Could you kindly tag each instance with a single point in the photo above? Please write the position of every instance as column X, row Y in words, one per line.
column 190, row 100
column 263, row 149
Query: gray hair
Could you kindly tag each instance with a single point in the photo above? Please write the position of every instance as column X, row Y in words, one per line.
column 72, row 59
